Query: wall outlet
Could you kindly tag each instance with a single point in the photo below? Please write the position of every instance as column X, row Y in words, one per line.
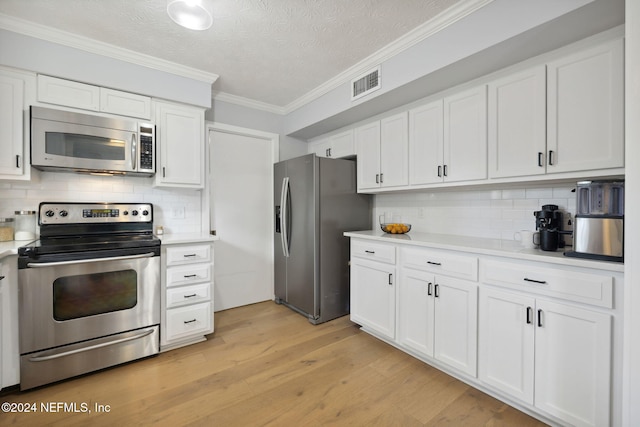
column 177, row 212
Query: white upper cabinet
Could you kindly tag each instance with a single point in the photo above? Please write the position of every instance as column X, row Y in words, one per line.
column 585, row 114
column 517, row 124
column 383, row 153
column 52, row 90
column 394, row 151
column 340, row 145
column 180, row 140
column 465, row 136
column 368, row 150
column 426, row 138
column 14, row 125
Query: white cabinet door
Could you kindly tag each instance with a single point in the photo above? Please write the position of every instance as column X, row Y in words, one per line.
column 180, row 134
column 373, row 299
column 394, row 151
column 342, row 145
column 9, row 346
column 416, row 308
column 506, row 342
column 321, row 148
column 517, row 124
column 367, row 139
column 52, row 90
column 425, row 144
column 456, row 323
column 585, row 114
column 12, row 160
column 573, row 363
column 125, row 104
column 465, row 136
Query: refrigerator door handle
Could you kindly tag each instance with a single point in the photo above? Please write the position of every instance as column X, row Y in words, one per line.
column 284, row 200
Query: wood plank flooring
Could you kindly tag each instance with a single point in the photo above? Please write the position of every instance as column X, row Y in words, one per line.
column 267, row 366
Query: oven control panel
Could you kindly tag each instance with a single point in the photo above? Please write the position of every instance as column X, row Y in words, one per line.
column 86, row 213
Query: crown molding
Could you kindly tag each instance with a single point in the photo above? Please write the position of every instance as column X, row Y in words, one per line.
column 86, row 44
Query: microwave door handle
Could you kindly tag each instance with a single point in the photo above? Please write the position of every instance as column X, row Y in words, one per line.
column 134, row 150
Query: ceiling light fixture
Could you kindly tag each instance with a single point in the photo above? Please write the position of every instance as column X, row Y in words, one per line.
column 191, row 14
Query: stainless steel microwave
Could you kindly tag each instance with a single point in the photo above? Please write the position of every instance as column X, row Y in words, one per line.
column 75, row 142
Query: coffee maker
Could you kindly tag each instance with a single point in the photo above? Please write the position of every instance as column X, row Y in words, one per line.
column 549, row 224
column 599, row 222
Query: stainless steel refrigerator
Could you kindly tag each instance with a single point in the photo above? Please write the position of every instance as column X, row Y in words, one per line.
column 315, row 203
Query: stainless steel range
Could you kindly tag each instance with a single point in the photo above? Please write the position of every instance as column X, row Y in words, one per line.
column 89, row 290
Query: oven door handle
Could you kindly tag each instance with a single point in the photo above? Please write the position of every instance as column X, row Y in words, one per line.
column 92, row 347
column 86, row 261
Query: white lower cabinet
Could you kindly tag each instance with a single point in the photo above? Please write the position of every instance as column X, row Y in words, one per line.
column 9, row 350
column 547, row 353
column 373, row 290
column 438, row 318
column 187, row 304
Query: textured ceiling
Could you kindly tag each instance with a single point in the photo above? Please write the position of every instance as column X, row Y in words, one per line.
column 272, row 51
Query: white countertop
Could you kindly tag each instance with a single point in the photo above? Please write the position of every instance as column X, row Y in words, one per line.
column 497, row 247
column 177, row 238
column 11, row 247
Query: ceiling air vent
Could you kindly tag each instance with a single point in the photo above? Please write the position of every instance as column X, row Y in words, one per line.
column 365, row 84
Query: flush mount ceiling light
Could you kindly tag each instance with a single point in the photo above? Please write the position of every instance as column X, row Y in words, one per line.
column 191, row 14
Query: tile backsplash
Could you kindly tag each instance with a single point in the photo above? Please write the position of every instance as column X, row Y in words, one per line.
column 494, row 214
column 177, row 210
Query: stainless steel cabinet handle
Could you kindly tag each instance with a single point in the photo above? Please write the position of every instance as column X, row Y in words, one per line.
column 542, row 282
column 284, row 203
column 86, row 261
column 134, row 151
column 93, row 347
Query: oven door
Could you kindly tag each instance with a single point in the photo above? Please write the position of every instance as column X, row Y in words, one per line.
column 65, row 302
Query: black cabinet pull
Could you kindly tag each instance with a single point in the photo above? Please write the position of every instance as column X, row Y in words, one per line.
column 437, row 291
column 189, row 255
column 439, row 171
column 542, row 282
column 190, row 296
column 370, row 252
column 444, row 169
column 434, row 263
column 1, row 277
column 377, row 178
column 189, row 276
column 540, row 154
column 540, row 318
column 429, row 289
column 381, row 178
column 390, row 279
column 17, row 160
column 189, row 321
column 550, row 157
column 529, row 314
column 164, row 175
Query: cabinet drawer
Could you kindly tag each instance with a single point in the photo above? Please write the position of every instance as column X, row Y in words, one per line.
column 190, row 320
column 188, row 274
column 192, row 294
column 373, row 251
column 177, row 255
column 569, row 284
column 440, row 262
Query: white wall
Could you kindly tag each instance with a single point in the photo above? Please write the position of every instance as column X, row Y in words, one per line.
column 69, row 187
column 494, row 214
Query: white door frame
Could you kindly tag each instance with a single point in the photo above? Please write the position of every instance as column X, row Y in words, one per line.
column 272, row 138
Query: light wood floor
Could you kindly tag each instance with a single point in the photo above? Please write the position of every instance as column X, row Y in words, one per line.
column 267, row 366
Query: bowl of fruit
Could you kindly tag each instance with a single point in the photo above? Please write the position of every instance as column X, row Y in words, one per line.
column 395, row 227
